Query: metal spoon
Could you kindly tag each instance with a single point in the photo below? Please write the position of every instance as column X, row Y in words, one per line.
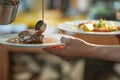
column 40, row 26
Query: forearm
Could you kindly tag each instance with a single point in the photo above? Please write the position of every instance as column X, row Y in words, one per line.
column 110, row 52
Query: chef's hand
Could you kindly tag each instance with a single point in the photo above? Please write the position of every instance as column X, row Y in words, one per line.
column 74, row 49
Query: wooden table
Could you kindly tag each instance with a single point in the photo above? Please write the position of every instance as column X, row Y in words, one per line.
column 4, row 51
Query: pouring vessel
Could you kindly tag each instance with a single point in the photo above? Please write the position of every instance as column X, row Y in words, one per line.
column 8, row 11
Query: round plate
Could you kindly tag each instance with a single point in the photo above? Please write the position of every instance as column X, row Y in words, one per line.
column 68, row 26
column 46, row 42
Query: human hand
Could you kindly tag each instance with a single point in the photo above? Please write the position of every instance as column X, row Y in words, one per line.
column 75, row 48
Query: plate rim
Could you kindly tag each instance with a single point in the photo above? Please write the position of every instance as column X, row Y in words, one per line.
column 34, row 45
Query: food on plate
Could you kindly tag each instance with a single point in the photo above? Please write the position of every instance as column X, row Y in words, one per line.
column 33, row 37
column 100, row 26
column 30, row 37
column 27, row 37
column 41, row 39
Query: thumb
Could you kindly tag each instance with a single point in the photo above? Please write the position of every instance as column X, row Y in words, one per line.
column 66, row 40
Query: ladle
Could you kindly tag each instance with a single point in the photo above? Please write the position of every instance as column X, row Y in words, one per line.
column 40, row 26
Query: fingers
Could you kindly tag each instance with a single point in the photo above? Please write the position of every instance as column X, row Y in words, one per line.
column 54, row 50
column 59, row 50
column 57, row 47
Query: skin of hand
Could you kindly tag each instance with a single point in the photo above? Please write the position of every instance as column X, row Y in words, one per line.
column 77, row 48
column 74, row 49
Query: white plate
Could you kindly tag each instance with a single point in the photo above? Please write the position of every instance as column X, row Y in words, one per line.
column 68, row 26
column 56, row 37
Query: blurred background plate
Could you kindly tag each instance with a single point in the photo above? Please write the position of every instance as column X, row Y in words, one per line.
column 69, row 26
